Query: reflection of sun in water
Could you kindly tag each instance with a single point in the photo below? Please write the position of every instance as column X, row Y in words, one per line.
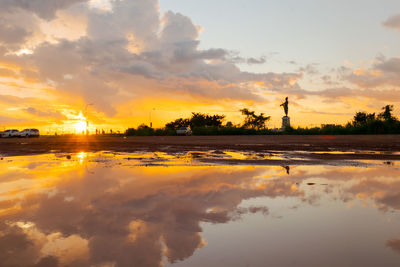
column 81, row 156
column 80, row 125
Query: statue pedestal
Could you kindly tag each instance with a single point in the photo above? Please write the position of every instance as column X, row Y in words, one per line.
column 285, row 122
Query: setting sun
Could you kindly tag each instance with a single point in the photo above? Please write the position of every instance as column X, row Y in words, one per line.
column 81, row 124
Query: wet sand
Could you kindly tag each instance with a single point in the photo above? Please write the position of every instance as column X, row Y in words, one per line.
column 348, row 147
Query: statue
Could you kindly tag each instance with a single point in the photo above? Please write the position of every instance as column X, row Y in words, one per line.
column 285, row 119
column 286, row 106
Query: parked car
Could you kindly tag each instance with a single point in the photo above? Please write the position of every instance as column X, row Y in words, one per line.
column 10, row 133
column 29, row 133
column 184, row 131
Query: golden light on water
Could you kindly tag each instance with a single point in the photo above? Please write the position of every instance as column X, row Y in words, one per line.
column 81, row 156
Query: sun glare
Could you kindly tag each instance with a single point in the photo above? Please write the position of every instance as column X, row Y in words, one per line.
column 81, row 124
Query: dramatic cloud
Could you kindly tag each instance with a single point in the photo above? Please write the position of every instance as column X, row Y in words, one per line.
column 130, row 51
column 393, row 22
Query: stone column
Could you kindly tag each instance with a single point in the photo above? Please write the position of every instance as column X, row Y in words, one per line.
column 285, row 122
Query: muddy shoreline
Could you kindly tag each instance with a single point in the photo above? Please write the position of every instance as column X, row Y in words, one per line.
column 313, row 148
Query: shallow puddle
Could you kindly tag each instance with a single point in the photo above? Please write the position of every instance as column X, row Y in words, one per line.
column 152, row 209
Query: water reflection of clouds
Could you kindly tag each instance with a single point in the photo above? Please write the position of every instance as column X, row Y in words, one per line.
column 59, row 214
column 379, row 185
column 394, row 244
column 123, row 215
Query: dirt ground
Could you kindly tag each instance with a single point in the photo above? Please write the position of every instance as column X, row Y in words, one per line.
column 382, row 147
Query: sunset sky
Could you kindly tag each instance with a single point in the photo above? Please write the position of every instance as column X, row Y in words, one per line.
column 121, row 63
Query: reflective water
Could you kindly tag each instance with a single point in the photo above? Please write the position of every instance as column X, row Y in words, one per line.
column 157, row 209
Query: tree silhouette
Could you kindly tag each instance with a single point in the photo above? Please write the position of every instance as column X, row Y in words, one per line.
column 254, row 121
column 387, row 113
column 178, row 123
column 362, row 118
column 197, row 120
column 204, row 120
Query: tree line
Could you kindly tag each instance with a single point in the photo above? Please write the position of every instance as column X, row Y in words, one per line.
column 205, row 124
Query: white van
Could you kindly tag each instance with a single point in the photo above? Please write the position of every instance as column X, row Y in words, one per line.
column 184, row 131
column 10, row 133
column 29, row 133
